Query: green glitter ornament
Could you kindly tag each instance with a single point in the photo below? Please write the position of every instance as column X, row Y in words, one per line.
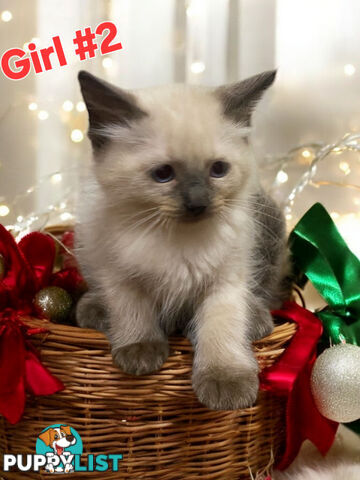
column 54, row 303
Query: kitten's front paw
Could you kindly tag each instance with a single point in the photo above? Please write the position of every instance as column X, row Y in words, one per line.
column 141, row 358
column 261, row 326
column 219, row 389
column 90, row 313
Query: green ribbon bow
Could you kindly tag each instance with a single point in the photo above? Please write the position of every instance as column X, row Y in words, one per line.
column 320, row 252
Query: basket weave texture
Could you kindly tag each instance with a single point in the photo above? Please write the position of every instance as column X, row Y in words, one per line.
column 155, row 421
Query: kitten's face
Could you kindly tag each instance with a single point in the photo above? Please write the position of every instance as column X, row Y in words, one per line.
column 176, row 158
column 184, row 160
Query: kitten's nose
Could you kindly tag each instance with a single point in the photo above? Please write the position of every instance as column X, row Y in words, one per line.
column 195, row 209
column 196, row 197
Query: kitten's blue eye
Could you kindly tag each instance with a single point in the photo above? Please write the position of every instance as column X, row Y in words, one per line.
column 163, row 174
column 219, row 169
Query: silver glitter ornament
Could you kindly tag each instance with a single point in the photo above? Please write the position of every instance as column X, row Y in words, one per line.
column 335, row 383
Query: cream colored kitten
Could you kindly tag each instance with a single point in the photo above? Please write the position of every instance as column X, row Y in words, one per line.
column 175, row 232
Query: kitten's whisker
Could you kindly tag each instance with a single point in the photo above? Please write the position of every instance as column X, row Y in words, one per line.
column 254, row 203
column 141, row 222
column 250, row 209
column 138, row 214
column 253, row 211
column 147, row 230
column 267, row 229
column 263, row 226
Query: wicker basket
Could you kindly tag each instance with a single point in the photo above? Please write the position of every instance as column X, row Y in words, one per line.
column 155, row 420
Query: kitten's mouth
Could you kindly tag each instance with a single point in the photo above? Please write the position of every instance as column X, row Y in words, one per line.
column 189, row 218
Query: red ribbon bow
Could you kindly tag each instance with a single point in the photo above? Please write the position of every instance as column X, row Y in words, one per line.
column 20, row 368
column 290, row 377
column 29, row 267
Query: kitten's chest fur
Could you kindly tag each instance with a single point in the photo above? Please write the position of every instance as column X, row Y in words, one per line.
column 178, row 271
column 170, row 270
column 178, row 282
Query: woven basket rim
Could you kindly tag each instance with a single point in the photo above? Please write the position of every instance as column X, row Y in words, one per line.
column 282, row 330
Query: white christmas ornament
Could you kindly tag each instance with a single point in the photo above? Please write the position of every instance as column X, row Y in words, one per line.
column 335, row 383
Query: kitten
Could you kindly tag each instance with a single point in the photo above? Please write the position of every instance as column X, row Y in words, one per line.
column 175, row 232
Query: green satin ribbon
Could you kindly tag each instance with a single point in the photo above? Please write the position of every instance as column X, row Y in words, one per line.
column 320, row 252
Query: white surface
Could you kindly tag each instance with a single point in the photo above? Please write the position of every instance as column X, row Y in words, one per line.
column 346, row 450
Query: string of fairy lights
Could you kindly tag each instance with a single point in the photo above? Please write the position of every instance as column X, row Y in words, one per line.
column 71, row 113
column 306, row 156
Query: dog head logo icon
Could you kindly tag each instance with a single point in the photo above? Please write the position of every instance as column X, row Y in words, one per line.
column 58, row 438
column 59, row 443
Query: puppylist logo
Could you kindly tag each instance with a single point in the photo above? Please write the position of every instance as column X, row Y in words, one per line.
column 58, row 450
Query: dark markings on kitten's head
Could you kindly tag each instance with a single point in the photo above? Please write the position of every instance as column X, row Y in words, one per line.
column 196, row 194
column 239, row 99
column 106, row 105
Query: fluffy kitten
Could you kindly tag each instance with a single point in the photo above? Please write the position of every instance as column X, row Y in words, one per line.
column 175, row 232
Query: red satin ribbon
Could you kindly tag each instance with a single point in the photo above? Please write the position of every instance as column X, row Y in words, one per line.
column 20, row 368
column 70, row 280
column 290, row 377
column 29, row 266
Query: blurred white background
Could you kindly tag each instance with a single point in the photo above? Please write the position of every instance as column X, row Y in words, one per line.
column 316, row 96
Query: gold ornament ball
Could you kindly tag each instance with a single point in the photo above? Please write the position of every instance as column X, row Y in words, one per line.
column 2, row 267
column 335, row 383
column 54, row 303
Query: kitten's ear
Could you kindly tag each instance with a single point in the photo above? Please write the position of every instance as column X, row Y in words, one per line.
column 106, row 105
column 239, row 99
